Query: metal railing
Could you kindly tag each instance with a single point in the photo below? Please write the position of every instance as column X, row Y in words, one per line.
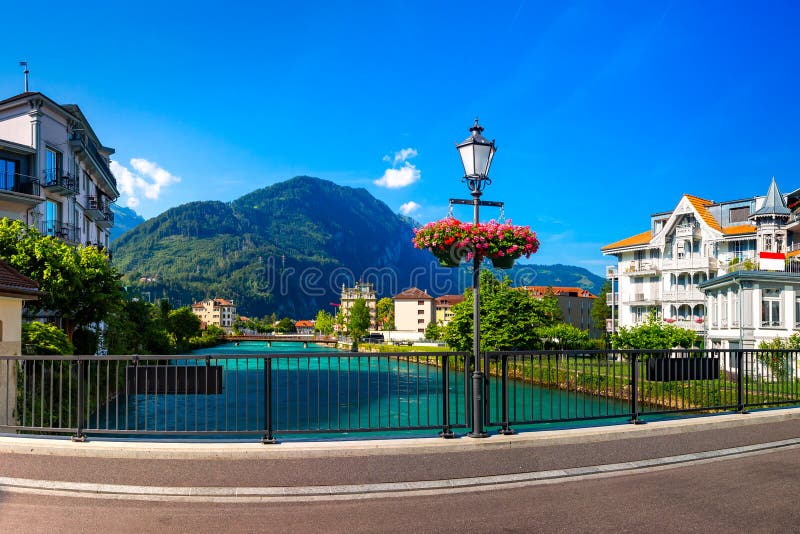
column 19, row 183
column 585, row 385
column 233, row 395
column 324, row 393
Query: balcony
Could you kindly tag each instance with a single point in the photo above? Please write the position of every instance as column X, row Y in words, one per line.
column 643, row 299
column 107, row 220
column 80, row 143
column 58, row 181
column 694, row 262
column 19, row 187
column 683, row 295
column 687, row 230
column 94, row 208
column 61, row 230
column 612, row 298
column 640, row 268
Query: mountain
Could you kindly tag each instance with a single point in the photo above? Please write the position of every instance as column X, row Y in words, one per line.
column 124, row 219
column 288, row 248
column 529, row 274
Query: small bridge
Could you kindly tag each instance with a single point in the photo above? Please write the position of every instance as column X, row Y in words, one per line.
column 299, row 338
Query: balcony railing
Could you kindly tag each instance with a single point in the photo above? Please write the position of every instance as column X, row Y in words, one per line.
column 684, row 295
column 653, row 297
column 694, row 262
column 79, row 141
column 640, row 268
column 14, row 182
column 107, row 220
column 58, row 181
column 687, row 229
column 61, row 230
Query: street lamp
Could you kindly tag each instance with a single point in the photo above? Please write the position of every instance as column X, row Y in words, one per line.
column 476, row 155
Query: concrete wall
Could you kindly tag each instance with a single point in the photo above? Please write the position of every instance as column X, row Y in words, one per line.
column 10, row 345
column 407, row 314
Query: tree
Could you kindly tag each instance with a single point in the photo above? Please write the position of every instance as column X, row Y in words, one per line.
column 562, row 336
column 600, row 309
column 79, row 285
column 324, row 323
column 385, row 313
column 183, row 324
column 433, row 331
column 653, row 334
column 509, row 317
column 40, row 338
column 358, row 321
column 285, row 326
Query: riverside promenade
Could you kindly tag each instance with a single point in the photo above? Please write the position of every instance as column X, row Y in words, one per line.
column 733, row 473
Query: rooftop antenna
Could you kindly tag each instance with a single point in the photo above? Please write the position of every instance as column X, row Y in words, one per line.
column 25, row 64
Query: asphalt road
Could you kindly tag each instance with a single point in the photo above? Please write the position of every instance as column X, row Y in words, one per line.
column 748, row 494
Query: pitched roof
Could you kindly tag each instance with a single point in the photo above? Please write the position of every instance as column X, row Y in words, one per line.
column 14, row 284
column 445, row 301
column 638, row 239
column 559, row 291
column 739, row 229
column 412, row 294
column 773, row 202
column 304, row 324
column 700, row 205
column 223, row 302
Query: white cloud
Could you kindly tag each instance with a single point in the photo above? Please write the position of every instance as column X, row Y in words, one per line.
column 147, row 181
column 396, row 178
column 409, row 207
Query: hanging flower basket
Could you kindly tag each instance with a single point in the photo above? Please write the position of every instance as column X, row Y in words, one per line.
column 502, row 262
column 453, row 241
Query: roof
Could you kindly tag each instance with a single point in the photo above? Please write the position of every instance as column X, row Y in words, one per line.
column 773, row 202
column 559, row 291
column 638, row 239
column 304, row 324
column 739, row 229
column 701, row 205
column 14, row 284
column 412, row 294
column 445, row 301
column 223, row 302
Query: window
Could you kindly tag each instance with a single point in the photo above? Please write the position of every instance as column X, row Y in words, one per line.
column 736, row 215
column 52, row 165
column 797, row 312
column 8, row 174
column 53, row 218
column 420, row 302
column 768, row 242
column 771, row 307
column 420, row 321
column 420, row 312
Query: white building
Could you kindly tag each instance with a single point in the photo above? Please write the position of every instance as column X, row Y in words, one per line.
column 219, row 312
column 718, row 268
column 349, row 295
column 413, row 310
column 54, row 171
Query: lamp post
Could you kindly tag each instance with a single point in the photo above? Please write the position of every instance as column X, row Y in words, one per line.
column 476, row 155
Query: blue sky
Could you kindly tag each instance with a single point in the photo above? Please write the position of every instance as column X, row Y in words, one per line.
column 603, row 112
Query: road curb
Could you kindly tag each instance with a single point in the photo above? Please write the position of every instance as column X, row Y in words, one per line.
column 225, row 450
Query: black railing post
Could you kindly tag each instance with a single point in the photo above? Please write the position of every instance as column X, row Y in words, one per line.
column 505, row 430
column 740, row 398
column 635, row 389
column 268, row 438
column 446, row 432
column 79, row 435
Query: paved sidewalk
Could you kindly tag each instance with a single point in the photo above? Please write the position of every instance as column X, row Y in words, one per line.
column 299, row 465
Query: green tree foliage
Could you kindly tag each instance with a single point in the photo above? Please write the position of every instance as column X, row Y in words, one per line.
column 433, row 331
column 778, row 362
column 183, row 324
column 509, row 317
column 600, row 309
column 285, row 326
column 138, row 327
column 40, row 338
column 79, row 285
column 324, row 323
column 358, row 321
column 385, row 313
column 562, row 336
column 653, row 334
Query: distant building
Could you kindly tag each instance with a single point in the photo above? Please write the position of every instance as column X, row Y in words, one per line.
column 304, row 327
column 444, row 313
column 413, row 310
column 54, row 171
column 575, row 304
column 349, row 296
column 219, row 312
